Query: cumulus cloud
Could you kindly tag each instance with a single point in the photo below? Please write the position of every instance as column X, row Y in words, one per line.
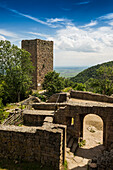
column 76, row 39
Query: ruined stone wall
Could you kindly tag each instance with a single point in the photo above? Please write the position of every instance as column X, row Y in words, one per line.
column 35, row 118
column 58, row 97
column 78, row 112
column 47, row 106
column 91, row 96
column 42, row 58
column 32, row 144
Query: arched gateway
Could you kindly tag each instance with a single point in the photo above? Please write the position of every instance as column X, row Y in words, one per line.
column 73, row 115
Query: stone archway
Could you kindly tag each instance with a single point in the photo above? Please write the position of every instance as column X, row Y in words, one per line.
column 93, row 130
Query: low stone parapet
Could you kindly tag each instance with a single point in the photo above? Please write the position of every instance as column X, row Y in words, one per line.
column 47, row 106
column 58, row 98
column 36, row 117
column 91, row 96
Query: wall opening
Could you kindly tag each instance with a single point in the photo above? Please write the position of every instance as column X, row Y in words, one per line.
column 72, row 121
column 93, row 130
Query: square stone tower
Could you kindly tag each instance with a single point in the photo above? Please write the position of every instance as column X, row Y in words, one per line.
column 42, row 58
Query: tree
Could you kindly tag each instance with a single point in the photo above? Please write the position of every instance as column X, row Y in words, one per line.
column 15, row 71
column 80, row 86
column 103, row 83
column 53, row 83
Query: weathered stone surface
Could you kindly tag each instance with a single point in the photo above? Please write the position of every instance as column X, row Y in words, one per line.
column 31, row 99
column 33, row 144
column 36, row 118
column 91, row 96
column 104, row 161
column 58, row 98
column 42, row 57
column 47, row 106
column 78, row 111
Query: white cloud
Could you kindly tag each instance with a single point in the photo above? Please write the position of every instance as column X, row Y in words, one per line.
column 75, row 39
column 80, row 46
column 39, row 34
column 107, row 16
column 83, row 3
column 8, row 33
column 2, row 38
column 52, row 22
column 91, row 24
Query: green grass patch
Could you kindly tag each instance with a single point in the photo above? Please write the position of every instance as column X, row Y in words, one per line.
column 82, row 143
column 68, row 89
column 65, row 165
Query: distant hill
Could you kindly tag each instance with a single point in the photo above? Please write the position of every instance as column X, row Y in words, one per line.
column 90, row 72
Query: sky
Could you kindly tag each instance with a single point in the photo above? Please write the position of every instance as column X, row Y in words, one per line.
column 82, row 30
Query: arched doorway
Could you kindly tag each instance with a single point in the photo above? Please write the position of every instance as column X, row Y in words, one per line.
column 93, row 130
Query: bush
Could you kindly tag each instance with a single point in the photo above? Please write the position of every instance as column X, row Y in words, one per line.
column 53, row 83
column 40, row 96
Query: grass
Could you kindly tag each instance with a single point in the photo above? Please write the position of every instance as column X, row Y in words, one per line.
column 11, row 165
column 65, row 165
column 82, row 143
column 67, row 89
column 10, row 106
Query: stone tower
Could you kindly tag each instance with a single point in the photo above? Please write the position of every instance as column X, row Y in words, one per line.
column 42, row 57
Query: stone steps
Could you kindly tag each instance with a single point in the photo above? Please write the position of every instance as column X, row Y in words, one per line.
column 72, row 143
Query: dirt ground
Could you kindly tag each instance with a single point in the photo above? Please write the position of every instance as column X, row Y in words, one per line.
column 93, row 135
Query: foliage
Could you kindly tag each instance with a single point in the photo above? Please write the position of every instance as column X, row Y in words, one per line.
column 15, row 72
column 53, row 83
column 85, row 75
column 82, row 143
column 3, row 114
column 80, row 86
column 103, row 83
column 65, row 165
column 68, row 89
column 68, row 82
column 40, row 96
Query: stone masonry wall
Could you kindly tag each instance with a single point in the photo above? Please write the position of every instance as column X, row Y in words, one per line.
column 32, row 144
column 78, row 112
column 31, row 47
column 91, row 96
column 35, row 118
column 42, row 57
column 58, row 98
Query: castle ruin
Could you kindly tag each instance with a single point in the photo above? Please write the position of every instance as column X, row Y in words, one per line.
column 42, row 58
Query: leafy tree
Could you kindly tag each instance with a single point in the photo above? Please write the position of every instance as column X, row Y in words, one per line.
column 103, row 83
column 80, row 86
column 15, row 71
column 90, row 72
column 68, row 82
column 53, row 83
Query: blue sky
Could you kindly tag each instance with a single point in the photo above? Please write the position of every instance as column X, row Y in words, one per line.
column 82, row 30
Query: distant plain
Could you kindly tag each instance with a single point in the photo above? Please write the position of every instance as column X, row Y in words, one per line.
column 69, row 71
